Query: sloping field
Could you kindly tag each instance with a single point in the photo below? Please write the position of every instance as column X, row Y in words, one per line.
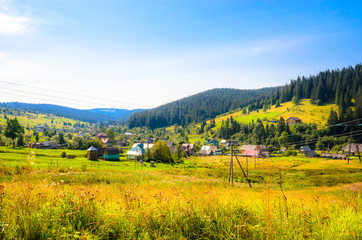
column 304, row 110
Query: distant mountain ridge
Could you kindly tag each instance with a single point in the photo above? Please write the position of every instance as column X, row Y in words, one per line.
column 342, row 87
column 198, row 107
column 88, row 115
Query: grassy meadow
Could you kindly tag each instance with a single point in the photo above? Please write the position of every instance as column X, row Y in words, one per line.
column 306, row 111
column 291, row 198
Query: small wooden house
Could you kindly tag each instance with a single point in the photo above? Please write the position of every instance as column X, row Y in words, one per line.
column 228, row 143
column 188, row 149
column 111, row 153
column 138, row 150
column 208, row 150
column 211, row 141
column 250, row 150
column 92, row 153
column 46, row 145
column 293, row 120
column 352, row 148
column 311, row 153
column 304, row 149
column 172, row 146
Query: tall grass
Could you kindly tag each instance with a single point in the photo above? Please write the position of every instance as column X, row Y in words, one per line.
column 191, row 201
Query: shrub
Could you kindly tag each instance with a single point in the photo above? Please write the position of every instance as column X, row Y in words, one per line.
column 290, row 153
column 63, row 154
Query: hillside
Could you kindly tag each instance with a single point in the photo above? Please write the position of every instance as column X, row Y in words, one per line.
column 306, row 111
column 26, row 118
column 91, row 115
column 342, row 87
column 198, row 107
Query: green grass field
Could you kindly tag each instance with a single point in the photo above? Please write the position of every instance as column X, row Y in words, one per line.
column 44, row 196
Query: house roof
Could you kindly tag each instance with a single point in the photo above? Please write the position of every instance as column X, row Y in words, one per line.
column 353, row 147
column 187, row 146
column 135, row 153
column 101, row 135
column 249, row 147
column 305, row 148
column 92, row 149
column 111, row 150
column 293, row 118
column 231, row 143
column 105, row 140
column 207, row 149
column 49, row 143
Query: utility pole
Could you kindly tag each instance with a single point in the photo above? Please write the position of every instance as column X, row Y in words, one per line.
column 231, row 172
column 351, row 125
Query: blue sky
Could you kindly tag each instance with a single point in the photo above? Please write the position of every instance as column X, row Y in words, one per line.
column 147, row 53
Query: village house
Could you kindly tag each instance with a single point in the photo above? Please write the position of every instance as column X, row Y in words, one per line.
column 210, row 141
column 106, row 142
column 111, row 153
column 308, row 151
column 352, row 148
column 304, row 149
column 46, row 145
column 228, row 143
column 209, row 151
column 311, row 153
column 293, row 120
column 188, row 149
column 254, row 151
column 172, row 146
column 138, row 150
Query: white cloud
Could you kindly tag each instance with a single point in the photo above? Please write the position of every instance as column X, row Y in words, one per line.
column 256, row 50
column 11, row 25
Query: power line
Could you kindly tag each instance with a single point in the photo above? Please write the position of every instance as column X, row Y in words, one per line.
column 75, row 94
column 44, row 99
column 97, row 104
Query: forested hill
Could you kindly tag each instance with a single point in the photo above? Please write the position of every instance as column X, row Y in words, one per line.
column 343, row 87
column 92, row 115
column 204, row 105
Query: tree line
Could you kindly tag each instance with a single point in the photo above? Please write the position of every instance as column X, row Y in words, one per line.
column 343, row 87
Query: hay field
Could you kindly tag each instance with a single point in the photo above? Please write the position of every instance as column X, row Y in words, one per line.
column 291, row 198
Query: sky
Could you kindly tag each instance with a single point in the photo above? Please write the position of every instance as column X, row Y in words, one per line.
column 143, row 54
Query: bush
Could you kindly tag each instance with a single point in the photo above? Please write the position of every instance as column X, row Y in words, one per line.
column 160, row 151
column 290, row 153
column 63, row 154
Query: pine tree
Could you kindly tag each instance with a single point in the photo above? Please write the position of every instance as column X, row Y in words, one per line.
column 13, row 129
